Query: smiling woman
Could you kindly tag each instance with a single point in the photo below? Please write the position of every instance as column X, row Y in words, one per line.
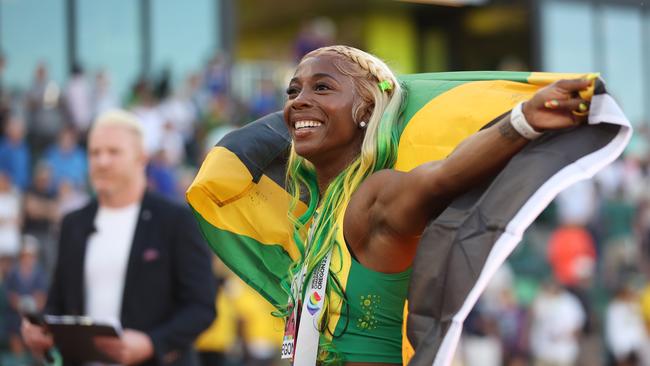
column 343, row 115
column 356, row 239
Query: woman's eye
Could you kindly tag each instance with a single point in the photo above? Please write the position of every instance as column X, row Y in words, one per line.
column 292, row 91
column 321, row 87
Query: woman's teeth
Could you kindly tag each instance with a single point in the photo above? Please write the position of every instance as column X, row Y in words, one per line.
column 306, row 124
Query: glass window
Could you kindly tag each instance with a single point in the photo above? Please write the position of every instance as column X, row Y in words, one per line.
column 108, row 37
column 623, row 55
column 184, row 35
column 567, row 36
column 33, row 31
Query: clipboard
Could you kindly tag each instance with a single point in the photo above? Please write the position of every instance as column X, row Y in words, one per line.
column 73, row 336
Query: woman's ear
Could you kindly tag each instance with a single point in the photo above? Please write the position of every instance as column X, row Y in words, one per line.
column 366, row 112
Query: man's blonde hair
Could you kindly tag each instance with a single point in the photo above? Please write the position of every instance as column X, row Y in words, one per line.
column 120, row 118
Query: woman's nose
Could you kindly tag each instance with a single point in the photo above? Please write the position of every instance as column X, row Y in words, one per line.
column 302, row 100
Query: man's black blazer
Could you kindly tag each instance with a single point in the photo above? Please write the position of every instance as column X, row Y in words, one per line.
column 169, row 289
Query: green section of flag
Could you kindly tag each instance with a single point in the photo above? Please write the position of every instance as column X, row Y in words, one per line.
column 424, row 87
column 261, row 266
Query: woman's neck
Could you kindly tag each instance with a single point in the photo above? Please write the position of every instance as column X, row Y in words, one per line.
column 326, row 173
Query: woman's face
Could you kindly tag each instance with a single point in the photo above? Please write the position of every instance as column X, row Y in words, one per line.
column 318, row 112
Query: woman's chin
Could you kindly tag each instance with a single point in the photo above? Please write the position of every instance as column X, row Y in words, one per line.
column 305, row 155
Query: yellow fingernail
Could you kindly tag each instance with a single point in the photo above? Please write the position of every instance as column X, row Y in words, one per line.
column 588, row 92
column 582, row 107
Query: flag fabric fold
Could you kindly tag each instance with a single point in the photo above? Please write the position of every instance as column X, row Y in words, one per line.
column 240, row 203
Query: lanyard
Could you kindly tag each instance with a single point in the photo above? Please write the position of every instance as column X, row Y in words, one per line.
column 300, row 343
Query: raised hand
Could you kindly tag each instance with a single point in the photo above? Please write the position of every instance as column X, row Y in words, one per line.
column 558, row 105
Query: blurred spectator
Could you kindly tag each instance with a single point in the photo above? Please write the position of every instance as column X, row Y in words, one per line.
column 645, row 313
column 265, row 101
column 14, row 153
column 198, row 96
column 619, row 249
column 145, row 108
column 556, row 320
column 187, row 110
column 611, row 179
column 217, row 75
column 214, row 344
column 160, row 176
column 314, row 34
column 163, row 84
column 642, row 235
column 261, row 333
column 480, row 343
column 492, row 297
column 26, row 289
column 221, row 111
column 10, row 211
column 67, row 160
column 40, row 213
column 184, row 178
column 216, row 135
column 625, row 333
column 172, row 145
column 498, row 303
column 103, row 99
column 181, row 114
column 636, row 177
column 43, row 118
column 512, row 322
column 572, row 254
column 576, row 205
column 78, row 100
column 152, row 276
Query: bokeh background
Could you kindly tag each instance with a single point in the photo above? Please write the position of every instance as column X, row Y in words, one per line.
column 194, row 70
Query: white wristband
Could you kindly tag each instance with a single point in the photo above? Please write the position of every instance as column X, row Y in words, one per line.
column 519, row 123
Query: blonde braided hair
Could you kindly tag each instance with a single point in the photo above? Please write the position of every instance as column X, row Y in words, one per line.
column 370, row 71
column 366, row 61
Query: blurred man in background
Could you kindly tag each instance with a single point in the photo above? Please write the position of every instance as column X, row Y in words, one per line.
column 131, row 256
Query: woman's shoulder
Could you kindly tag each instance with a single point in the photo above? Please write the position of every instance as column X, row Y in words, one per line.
column 379, row 179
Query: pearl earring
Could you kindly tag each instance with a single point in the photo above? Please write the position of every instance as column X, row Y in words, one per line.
column 362, row 124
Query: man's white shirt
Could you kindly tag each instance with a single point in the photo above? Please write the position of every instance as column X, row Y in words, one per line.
column 107, row 256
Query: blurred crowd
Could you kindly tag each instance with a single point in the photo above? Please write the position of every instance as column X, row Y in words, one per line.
column 575, row 292
column 43, row 176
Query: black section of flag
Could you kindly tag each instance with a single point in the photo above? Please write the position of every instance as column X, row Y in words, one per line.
column 262, row 146
column 455, row 247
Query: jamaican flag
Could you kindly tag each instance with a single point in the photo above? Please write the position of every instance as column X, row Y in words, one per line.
column 241, row 205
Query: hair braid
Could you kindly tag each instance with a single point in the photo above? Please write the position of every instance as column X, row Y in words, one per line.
column 366, row 61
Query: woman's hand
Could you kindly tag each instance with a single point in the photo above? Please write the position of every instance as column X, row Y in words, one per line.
column 557, row 105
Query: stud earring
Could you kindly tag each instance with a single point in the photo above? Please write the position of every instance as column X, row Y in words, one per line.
column 362, row 124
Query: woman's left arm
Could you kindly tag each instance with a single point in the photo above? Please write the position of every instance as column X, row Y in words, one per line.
column 410, row 200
